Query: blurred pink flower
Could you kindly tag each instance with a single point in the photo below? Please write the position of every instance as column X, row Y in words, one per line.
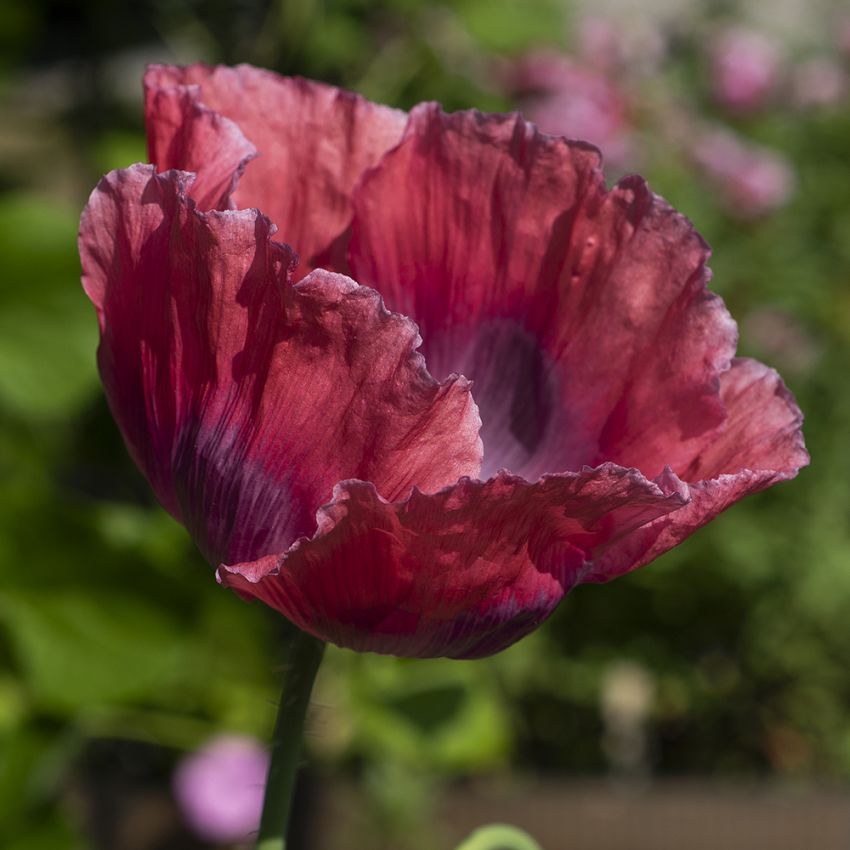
column 781, row 339
column 818, row 82
column 604, row 44
column 752, row 180
column 219, row 788
column 842, row 34
column 600, row 43
column 744, row 68
column 565, row 98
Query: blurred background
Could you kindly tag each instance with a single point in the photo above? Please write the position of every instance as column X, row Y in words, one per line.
column 705, row 698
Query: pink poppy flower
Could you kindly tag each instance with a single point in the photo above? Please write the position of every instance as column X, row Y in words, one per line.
column 745, row 68
column 819, row 82
column 219, row 788
column 287, row 418
column 752, row 181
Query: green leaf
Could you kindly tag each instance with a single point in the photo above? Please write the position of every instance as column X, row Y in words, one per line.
column 54, row 834
column 499, row 836
column 19, row 755
column 118, row 149
column 505, row 26
column 426, row 713
column 80, row 649
column 48, row 332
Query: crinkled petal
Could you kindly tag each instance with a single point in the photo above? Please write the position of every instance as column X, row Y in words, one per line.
column 581, row 314
column 314, row 143
column 243, row 398
column 463, row 572
column 762, row 444
column 184, row 134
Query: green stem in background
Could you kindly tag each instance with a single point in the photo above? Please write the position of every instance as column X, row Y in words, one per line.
column 305, row 655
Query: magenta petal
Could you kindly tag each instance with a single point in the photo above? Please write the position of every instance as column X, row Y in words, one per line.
column 244, row 399
column 314, row 143
column 582, row 315
column 462, row 573
column 761, row 444
column 185, row 135
column 763, row 432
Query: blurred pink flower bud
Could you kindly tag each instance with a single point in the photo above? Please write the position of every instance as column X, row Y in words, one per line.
column 744, row 67
column 600, row 43
column 609, row 46
column 818, row 82
column 567, row 99
column 781, row 339
column 752, row 180
column 842, row 34
column 219, row 788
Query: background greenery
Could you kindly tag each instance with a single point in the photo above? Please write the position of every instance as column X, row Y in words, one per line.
column 118, row 652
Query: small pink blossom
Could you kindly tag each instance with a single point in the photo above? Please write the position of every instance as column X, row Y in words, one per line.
column 565, row 98
column 752, row 180
column 744, row 68
column 219, row 788
column 600, row 43
column 610, row 47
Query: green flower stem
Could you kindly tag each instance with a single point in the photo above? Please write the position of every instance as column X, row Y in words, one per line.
column 305, row 655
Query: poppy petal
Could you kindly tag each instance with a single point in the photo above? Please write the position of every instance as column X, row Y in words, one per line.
column 761, row 444
column 314, row 143
column 243, row 398
column 463, row 572
column 581, row 314
column 184, row 134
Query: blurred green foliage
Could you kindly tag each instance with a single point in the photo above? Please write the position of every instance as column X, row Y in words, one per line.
column 113, row 630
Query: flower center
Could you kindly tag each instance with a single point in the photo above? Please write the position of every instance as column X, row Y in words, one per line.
column 514, row 388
